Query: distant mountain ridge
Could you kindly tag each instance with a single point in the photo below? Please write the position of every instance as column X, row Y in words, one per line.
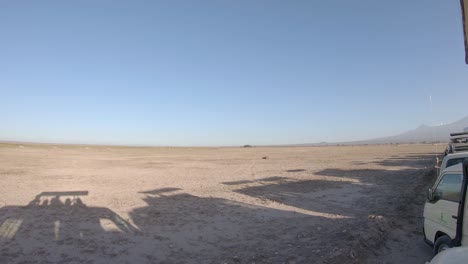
column 422, row 133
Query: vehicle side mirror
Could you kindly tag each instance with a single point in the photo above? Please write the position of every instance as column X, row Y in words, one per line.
column 430, row 195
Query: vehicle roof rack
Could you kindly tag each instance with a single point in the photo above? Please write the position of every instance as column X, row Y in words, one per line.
column 458, row 134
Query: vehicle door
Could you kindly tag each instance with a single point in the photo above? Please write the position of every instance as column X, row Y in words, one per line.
column 443, row 209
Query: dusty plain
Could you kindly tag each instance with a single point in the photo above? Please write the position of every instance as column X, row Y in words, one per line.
column 107, row 204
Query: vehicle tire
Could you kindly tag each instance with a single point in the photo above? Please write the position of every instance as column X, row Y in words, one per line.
column 442, row 243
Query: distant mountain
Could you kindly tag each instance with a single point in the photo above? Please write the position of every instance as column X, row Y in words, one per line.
column 422, row 134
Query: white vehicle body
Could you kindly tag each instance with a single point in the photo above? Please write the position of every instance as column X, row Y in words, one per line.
column 441, row 211
column 451, row 160
column 451, row 256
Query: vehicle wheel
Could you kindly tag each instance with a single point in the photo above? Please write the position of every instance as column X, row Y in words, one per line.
column 442, row 243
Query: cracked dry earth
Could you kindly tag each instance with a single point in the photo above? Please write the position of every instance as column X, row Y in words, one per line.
column 107, row 204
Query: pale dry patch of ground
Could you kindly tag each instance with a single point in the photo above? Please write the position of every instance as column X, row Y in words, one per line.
column 98, row 204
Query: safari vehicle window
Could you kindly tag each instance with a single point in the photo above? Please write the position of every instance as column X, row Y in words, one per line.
column 449, row 188
column 455, row 161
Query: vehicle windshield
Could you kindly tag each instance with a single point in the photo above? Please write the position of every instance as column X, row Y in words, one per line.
column 454, row 161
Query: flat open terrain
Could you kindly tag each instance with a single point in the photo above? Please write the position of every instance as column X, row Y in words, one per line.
column 87, row 204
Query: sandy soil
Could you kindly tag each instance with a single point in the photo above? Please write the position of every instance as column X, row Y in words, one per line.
column 88, row 204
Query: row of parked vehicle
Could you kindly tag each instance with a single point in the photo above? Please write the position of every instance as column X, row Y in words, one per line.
column 445, row 222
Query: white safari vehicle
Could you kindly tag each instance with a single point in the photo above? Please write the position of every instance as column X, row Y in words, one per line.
column 444, row 224
column 458, row 143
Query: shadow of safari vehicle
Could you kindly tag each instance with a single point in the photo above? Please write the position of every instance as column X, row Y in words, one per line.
column 58, row 216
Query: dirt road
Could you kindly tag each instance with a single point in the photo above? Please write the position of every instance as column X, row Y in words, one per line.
column 87, row 204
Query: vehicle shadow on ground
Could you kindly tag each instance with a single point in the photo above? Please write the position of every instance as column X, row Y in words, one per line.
column 173, row 227
column 216, row 230
column 408, row 160
column 384, row 185
column 304, row 194
column 58, row 227
column 396, row 195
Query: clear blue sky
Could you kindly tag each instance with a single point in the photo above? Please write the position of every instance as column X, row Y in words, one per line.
column 228, row 72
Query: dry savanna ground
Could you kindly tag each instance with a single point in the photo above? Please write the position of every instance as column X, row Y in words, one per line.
column 98, row 204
